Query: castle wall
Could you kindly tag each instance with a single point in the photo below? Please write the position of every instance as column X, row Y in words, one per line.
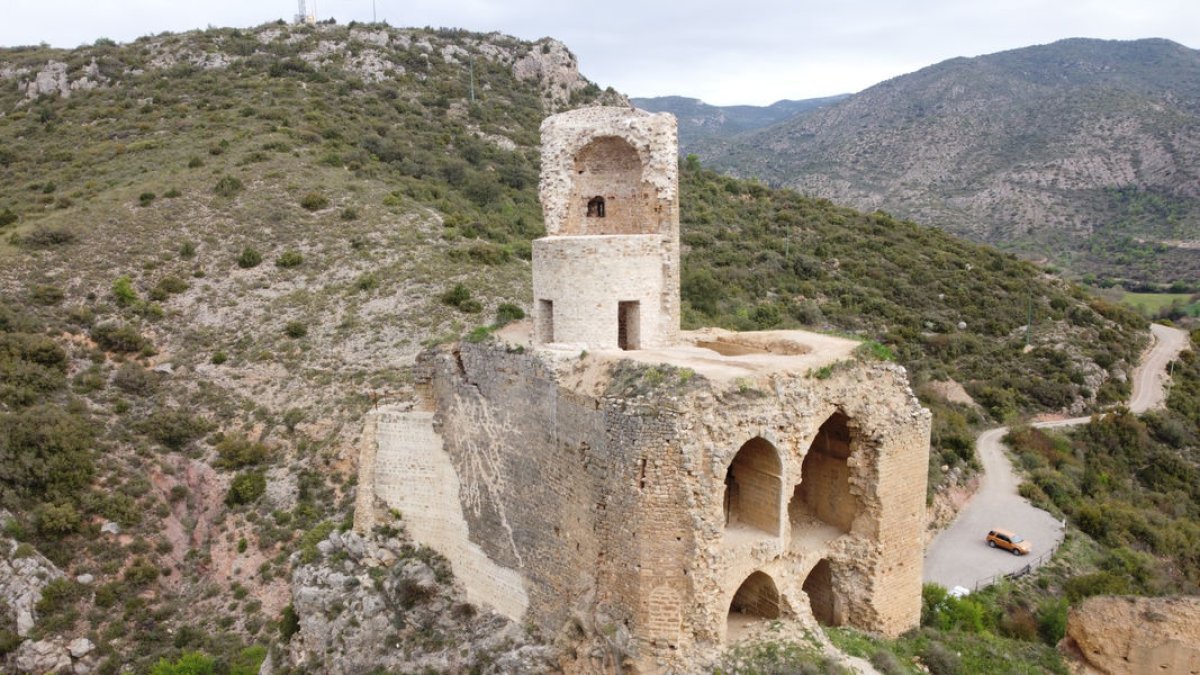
column 587, row 277
column 609, row 505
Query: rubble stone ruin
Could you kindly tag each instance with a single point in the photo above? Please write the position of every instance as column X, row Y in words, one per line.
column 640, row 494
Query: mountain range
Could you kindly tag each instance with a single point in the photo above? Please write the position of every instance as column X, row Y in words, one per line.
column 1084, row 153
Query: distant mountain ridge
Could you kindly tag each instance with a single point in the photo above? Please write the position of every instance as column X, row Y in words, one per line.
column 699, row 120
column 1085, row 151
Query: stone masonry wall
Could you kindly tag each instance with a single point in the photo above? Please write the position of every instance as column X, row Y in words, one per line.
column 610, row 504
column 585, row 278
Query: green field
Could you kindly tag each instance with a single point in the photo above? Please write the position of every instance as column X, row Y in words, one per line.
column 1151, row 304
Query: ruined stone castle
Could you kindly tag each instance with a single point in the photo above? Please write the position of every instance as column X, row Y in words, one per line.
column 639, row 493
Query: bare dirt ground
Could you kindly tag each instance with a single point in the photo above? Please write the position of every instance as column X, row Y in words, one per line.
column 959, row 557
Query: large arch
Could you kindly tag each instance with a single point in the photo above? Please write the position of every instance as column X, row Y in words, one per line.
column 819, row 588
column 608, row 195
column 824, row 490
column 754, row 487
column 756, row 599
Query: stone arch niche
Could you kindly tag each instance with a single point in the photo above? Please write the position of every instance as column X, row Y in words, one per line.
column 757, row 598
column 821, row 598
column 608, row 195
column 823, row 495
column 754, row 487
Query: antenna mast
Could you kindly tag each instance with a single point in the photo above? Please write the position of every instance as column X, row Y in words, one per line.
column 304, row 15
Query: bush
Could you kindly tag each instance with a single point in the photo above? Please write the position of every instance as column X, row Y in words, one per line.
column 367, row 282
column 289, row 259
column 940, row 660
column 507, row 312
column 45, row 454
column 239, row 452
column 133, row 379
column 246, row 488
column 122, row 290
column 173, row 428
column 295, row 329
column 45, row 236
column 219, row 357
column 461, row 298
column 57, row 520
column 249, row 258
column 191, row 663
column 314, row 201
column 146, row 198
column 46, row 295
column 7, row 217
column 228, row 186
column 119, row 338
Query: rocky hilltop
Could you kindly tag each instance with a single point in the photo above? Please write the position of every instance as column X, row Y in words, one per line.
column 699, row 120
column 1083, row 149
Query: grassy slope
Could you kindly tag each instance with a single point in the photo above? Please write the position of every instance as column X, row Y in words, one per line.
column 405, row 200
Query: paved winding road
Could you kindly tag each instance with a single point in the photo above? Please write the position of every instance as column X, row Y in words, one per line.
column 958, row 556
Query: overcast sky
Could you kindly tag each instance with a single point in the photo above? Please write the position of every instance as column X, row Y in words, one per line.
column 727, row 52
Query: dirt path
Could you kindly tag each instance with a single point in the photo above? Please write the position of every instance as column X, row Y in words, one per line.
column 958, row 556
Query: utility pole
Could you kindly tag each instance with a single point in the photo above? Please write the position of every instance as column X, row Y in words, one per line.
column 374, row 17
column 471, row 61
column 1029, row 321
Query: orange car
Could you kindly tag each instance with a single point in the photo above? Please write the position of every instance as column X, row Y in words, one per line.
column 1013, row 543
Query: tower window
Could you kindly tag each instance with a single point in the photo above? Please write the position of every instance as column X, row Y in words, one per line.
column 596, row 207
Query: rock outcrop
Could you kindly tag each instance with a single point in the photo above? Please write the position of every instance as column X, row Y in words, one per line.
column 378, row 603
column 1129, row 636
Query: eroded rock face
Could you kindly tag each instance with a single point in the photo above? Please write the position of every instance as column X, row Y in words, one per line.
column 1130, row 636
column 375, row 603
column 552, row 64
column 23, row 575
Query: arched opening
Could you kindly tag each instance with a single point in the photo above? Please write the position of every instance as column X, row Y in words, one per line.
column 823, row 496
column 754, row 487
column 756, row 599
column 608, row 195
column 819, row 588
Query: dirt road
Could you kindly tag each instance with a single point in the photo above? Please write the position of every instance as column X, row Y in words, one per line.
column 958, row 556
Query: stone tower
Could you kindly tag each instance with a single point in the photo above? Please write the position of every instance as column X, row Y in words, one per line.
column 606, row 275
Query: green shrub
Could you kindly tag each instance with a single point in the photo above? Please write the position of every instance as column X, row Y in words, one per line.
column 239, row 452
column 314, row 201
column 367, row 282
column 47, row 236
column 146, row 198
column 295, row 329
column 187, row 250
column 173, row 428
column 195, row 162
column 289, row 623
column 507, row 312
column 7, row 217
column 461, row 298
column 228, row 186
column 45, row 454
column 246, row 488
column 250, row 257
column 191, row 663
column 132, row 378
column 57, row 520
column 172, row 193
column 123, row 292
column 219, row 357
column 349, row 213
column 289, row 259
column 46, row 295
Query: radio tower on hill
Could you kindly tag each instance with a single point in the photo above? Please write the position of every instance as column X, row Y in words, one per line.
column 304, row 15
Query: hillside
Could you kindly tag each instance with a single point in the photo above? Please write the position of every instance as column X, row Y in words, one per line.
column 1081, row 151
column 700, row 121
column 220, row 248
